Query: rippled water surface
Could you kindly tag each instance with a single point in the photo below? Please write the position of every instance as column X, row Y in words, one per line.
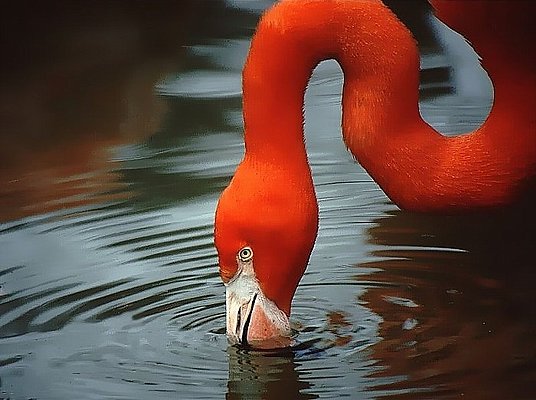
column 114, row 154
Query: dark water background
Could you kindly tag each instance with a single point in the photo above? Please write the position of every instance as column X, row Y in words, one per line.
column 121, row 124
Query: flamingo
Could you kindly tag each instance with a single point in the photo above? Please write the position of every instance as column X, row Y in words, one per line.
column 266, row 220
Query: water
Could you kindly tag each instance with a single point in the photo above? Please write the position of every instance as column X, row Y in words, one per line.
column 109, row 280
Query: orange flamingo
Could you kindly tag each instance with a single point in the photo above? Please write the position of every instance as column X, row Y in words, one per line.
column 267, row 218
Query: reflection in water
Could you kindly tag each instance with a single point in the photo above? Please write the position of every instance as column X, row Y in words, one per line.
column 455, row 298
column 108, row 276
column 459, row 308
column 257, row 375
column 78, row 81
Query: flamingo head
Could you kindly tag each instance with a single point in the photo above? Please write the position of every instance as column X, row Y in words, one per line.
column 264, row 234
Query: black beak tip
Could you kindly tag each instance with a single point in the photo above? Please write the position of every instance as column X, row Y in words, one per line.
column 244, row 339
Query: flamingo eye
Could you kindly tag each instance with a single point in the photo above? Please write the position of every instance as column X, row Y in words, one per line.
column 245, row 254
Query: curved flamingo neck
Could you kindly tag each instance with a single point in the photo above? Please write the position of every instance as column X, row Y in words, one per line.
column 290, row 41
column 417, row 167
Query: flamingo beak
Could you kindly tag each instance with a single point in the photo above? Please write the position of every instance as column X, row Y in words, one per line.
column 252, row 319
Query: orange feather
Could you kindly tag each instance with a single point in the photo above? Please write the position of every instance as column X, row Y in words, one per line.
column 270, row 204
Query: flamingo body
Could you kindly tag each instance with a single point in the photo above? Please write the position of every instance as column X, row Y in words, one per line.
column 270, row 206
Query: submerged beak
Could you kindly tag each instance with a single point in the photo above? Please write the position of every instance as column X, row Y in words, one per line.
column 252, row 319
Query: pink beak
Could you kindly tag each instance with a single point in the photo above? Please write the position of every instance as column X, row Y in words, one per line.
column 252, row 319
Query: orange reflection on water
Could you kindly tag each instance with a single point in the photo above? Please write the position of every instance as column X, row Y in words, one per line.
column 78, row 81
column 457, row 315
